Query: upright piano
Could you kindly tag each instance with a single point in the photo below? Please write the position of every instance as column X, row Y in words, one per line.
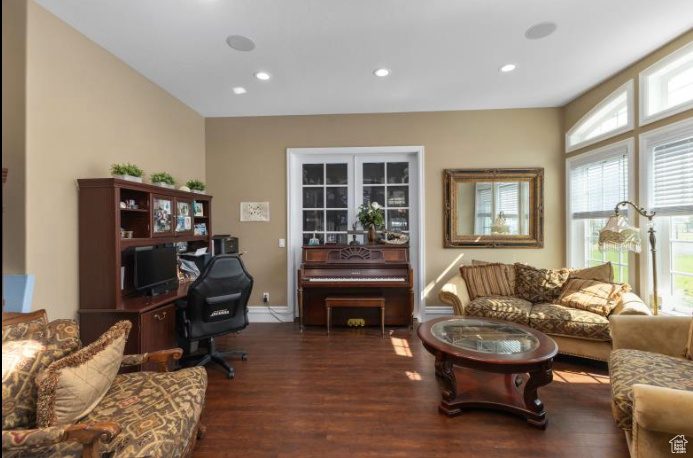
column 356, row 271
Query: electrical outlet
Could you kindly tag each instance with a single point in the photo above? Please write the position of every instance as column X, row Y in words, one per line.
column 282, row 243
column 265, row 298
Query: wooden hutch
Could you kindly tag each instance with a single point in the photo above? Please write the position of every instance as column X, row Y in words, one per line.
column 107, row 207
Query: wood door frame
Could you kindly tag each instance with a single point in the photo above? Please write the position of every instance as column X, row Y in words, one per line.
column 292, row 157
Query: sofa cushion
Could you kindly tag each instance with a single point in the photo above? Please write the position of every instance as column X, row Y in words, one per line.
column 630, row 367
column 592, row 295
column 603, row 272
column 509, row 271
column 539, row 285
column 486, row 280
column 157, row 414
column 569, row 322
column 28, row 348
column 70, row 388
column 507, row 308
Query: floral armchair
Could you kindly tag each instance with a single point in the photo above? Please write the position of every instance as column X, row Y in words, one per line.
column 142, row 414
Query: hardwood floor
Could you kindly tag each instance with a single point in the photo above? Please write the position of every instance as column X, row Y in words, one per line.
column 357, row 394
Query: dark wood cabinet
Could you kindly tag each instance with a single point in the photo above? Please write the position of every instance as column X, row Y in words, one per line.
column 116, row 217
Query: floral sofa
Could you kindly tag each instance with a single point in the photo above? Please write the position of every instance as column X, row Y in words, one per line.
column 153, row 414
column 577, row 332
column 651, row 369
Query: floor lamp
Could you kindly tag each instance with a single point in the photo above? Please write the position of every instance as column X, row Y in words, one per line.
column 618, row 234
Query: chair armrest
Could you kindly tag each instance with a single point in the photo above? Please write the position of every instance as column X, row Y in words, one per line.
column 664, row 410
column 631, row 304
column 161, row 358
column 667, row 335
column 90, row 435
column 455, row 293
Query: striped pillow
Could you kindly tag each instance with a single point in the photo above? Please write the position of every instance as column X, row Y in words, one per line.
column 486, row 280
column 592, row 295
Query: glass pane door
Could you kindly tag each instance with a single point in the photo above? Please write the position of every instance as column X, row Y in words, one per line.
column 325, row 202
column 386, row 183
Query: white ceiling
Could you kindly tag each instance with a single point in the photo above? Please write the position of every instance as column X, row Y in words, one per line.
column 444, row 54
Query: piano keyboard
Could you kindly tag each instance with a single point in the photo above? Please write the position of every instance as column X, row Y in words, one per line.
column 356, row 279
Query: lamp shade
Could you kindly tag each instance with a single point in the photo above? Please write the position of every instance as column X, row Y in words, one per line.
column 618, row 234
column 500, row 225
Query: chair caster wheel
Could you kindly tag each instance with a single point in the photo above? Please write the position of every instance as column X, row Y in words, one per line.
column 244, row 357
column 231, row 375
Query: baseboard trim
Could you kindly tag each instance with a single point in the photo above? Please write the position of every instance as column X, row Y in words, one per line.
column 437, row 311
column 262, row 314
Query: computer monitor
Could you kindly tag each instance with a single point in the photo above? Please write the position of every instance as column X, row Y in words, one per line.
column 156, row 270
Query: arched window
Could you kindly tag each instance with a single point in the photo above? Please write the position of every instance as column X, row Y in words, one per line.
column 666, row 88
column 613, row 116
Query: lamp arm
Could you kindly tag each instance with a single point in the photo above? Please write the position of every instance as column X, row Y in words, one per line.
column 640, row 210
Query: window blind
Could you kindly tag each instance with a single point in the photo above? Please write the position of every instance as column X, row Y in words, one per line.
column 673, row 177
column 597, row 187
column 508, row 199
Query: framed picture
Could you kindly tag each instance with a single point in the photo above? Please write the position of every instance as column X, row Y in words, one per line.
column 199, row 209
column 255, row 212
column 183, row 216
column 162, row 215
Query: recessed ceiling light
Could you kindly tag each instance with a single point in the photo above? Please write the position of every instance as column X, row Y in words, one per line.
column 263, row 76
column 240, row 43
column 382, row 72
column 541, row 30
column 507, row 68
column 239, row 90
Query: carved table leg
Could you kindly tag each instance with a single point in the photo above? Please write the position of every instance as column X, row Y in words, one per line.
column 444, row 370
column 537, row 378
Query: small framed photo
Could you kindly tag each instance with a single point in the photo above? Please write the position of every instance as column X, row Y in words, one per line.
column 199, row 209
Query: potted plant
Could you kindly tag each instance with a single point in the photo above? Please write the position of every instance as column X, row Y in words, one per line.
column 163, row 179
column 127, row 171
column 196, row 186
column 371, row 217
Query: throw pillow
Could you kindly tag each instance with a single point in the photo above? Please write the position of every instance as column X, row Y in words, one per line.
column 539, row 285
column 591, row 295
column 604, row 272
column 22, row 360
column 486, row 280
column 70, row 388
column 509, row 271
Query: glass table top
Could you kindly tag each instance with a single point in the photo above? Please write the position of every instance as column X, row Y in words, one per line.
column 484, row 336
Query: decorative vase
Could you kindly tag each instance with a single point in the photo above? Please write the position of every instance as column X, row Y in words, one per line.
column 163, row 185
column 372, row 234
column 129, row 178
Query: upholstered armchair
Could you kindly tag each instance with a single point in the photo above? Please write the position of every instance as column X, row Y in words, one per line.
column 652, row 381
column 142, row 414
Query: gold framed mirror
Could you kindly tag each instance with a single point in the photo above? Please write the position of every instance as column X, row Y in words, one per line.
column 493, row 208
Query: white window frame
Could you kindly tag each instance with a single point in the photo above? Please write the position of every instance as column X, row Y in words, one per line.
column 646, row 142
column 605, row 152
column 644, row 89
column 416, row 211
column 630, row 125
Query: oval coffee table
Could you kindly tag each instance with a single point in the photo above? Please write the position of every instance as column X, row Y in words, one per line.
column 490, row 364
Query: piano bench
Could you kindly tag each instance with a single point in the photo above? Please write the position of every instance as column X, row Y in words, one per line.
column 355, row 302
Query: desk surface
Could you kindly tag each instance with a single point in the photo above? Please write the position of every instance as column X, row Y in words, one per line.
column 142, row 304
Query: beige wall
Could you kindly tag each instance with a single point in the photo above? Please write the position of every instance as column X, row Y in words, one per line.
column 85, row 110
column 246, row 161
column 14, row 14
column 577, row 108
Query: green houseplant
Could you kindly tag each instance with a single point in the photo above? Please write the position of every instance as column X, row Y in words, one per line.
column 163, row 179
column 371, row 217
column 196, row 186
column 127, row 171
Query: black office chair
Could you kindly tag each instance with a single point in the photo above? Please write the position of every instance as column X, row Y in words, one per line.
column 217, row 304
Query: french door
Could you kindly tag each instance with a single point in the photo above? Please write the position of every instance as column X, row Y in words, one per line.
column 325, row 191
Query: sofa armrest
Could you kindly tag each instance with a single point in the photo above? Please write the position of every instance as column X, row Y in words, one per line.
column 659, row 334
column 631, row 304
column 664, row 410
column 161, row 358
column 455, row 293
column 90, row 435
